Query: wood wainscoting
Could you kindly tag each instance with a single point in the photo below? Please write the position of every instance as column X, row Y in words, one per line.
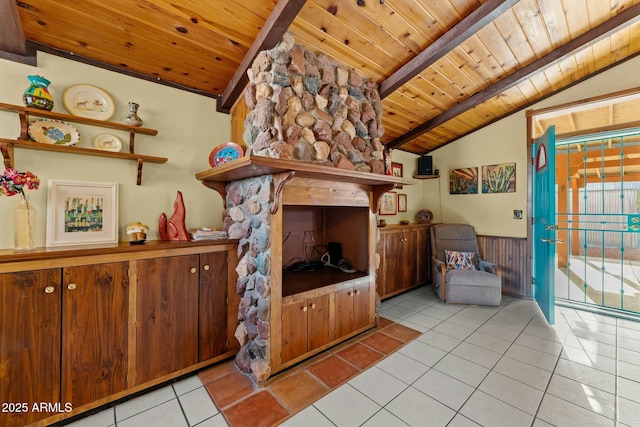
column 511, row 254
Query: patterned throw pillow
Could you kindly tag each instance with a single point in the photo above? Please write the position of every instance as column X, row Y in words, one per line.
column 460, row 260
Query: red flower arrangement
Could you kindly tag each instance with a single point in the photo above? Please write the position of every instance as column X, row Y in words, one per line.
column 13, row 182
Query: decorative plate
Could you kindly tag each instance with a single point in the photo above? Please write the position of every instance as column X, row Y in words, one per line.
column 107, row 142
column 88, row 101
column 224, row 153
column 56, row 132
column 424, row 216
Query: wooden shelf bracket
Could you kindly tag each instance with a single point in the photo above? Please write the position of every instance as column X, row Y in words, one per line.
column 378, row 191
column 7, row 154
column 279, row 180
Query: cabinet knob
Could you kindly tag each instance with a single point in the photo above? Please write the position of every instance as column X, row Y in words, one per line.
column 49, row 289
column 304, row 308
column 313, row 306
column 350, row 293
column 356, row 291
column 71, row 286
column 206, row 267
column 194, row 270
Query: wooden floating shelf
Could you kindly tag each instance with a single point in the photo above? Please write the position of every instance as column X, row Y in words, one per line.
column 7, row 145
column 81, row 150
column 426, row 176
column 77, row 119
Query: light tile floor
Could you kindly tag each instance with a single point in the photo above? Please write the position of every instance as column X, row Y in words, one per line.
column 487, row 366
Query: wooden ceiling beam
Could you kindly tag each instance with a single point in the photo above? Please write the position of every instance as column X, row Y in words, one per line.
column 464, row 29
column 13, row 45
column 592, row 36
column 271, row 33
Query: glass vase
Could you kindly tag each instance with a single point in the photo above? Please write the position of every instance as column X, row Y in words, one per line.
column 24, row 226
column 37, row 94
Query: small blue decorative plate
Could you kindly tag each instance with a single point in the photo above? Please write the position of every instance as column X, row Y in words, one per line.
column 56, row 132
column 224, row 153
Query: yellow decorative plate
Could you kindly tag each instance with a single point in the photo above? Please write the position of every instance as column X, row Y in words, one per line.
column 107, row 142
column 88, row 101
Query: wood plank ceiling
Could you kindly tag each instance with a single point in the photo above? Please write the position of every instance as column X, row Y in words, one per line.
column 445, row 67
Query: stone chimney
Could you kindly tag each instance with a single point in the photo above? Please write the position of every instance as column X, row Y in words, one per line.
column 306, row 107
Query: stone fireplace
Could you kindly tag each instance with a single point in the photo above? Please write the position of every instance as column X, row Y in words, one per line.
column 248, row 219
column 306, row 108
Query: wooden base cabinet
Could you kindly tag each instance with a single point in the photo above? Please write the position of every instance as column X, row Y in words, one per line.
column 404, row 252
column 322, row 317
column 306, row 325
column 315, row 309
column 101, row 324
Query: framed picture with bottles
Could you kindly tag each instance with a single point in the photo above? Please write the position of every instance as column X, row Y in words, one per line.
column 82, row 213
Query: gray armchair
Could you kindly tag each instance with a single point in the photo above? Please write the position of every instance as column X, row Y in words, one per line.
column 480, row 285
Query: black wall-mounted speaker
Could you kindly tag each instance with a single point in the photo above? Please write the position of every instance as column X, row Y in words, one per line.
column 425, row 165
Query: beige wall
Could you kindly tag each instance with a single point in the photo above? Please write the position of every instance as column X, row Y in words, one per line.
column 188, row 129
column 503, row 141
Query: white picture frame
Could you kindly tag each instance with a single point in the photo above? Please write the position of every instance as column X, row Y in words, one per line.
column 81, row 213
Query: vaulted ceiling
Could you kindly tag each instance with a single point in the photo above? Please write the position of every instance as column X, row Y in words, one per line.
column 445, row 67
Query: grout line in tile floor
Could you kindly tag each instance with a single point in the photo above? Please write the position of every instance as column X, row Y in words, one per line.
column 466, row 366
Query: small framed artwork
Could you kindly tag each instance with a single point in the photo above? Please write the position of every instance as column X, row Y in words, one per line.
column 396, row 169
column 389, row 203
column 402, row 202
column 463, row 181
column 499, row 178
column 82, row 213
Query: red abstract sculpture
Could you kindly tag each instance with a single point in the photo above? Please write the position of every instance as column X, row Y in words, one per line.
column 175, row 228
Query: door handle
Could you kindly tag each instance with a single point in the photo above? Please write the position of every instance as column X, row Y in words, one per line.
column 551, row 241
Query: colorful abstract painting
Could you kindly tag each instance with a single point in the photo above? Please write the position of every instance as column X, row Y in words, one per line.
column 499, row 178
column 463, row 181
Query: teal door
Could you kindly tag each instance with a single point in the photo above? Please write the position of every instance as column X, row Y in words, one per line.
column 544, row 227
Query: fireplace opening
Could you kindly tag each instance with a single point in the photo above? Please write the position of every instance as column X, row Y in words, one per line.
column 311, row 235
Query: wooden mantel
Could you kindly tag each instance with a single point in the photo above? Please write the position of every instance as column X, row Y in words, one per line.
column 251, row 166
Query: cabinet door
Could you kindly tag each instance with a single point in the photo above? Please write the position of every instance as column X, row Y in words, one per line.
column 394, row 268
column 424, row 256
column 167, row 310
column 380, row 251
column 409, row 258
column 344, row 312
column 29, row 343
column 362, row 310
column 213, row 310
column 94, row 331
column 320, row 331
column 294, row 330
